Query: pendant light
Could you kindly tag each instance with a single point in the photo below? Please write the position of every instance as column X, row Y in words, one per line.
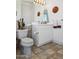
column 41, row 2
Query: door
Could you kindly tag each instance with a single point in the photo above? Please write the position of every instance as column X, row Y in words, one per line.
column 28, row 12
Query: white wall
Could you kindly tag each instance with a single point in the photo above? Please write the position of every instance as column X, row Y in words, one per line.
column 57, row 33
column 38, row 8
column 50, row 4
column 18, row 9
column 25, row 9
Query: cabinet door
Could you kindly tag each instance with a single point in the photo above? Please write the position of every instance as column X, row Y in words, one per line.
column 58, row 34
column 55, row 35
column 45, row 34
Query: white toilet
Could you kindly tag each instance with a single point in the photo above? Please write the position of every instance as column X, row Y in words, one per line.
column 26, row 43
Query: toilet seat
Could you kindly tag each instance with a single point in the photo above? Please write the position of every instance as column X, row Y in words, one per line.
column 27, row 42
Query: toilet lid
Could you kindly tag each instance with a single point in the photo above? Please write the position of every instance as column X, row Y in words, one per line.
column 27, row 40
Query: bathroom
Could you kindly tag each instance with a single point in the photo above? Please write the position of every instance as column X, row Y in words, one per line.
column 39, row 23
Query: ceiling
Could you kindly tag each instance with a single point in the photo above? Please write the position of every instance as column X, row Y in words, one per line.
column 29, row 0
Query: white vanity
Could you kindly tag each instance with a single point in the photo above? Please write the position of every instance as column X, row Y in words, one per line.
column 42, row 33
column 58, row 32
column 45, row 33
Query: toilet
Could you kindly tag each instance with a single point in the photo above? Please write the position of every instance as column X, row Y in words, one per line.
column 26, row 43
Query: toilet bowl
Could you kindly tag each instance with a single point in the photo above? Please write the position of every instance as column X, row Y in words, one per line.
column 26, row 43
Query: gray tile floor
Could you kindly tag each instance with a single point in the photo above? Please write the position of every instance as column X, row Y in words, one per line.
column 47, row 51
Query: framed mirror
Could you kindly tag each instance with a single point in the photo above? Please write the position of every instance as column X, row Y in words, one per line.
column 38, row 13
column 55, row 9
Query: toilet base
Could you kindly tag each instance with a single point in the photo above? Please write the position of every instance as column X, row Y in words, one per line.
column 26, row 51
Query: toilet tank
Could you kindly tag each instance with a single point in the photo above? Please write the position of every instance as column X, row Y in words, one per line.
column 22, row 33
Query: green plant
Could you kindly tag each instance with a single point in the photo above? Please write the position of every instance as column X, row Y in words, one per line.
column 21, row 24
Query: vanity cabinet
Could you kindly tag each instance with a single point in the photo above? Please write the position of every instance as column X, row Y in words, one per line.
column 58, row 36
column 58, row 33
column 42, row 33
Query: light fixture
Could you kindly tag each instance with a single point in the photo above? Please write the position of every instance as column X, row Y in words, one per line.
column 41, row 2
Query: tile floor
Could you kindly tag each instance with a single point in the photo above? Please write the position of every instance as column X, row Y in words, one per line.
column 47, row 51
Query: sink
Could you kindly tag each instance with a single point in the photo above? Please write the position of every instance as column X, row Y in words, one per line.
column 37, row 23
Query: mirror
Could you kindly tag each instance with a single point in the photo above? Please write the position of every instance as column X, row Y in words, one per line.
column 38, row 13
column 55, row 9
